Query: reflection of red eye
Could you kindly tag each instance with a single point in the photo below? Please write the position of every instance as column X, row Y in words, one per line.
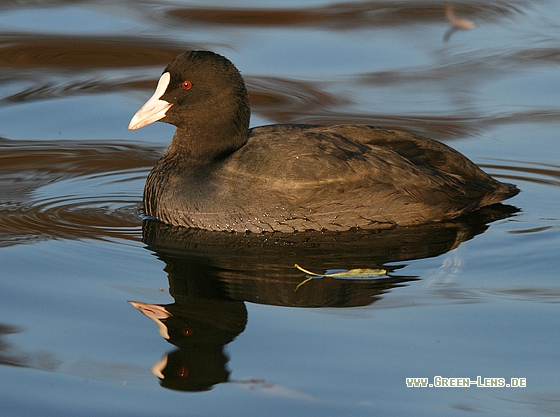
column 186, row 85
column 187, row 331
column 183, row 371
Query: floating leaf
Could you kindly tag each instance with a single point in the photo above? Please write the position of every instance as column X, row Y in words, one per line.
column 347, row 273
column 356, row 273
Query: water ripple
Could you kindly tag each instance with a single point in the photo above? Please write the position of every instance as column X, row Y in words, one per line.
column 72, row 190
column 535, row 172
column 27, row 51
column 348, row 16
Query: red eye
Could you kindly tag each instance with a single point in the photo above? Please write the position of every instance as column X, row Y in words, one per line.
column 186, row 85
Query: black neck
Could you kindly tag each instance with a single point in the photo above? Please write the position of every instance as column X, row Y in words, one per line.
column 202, row 144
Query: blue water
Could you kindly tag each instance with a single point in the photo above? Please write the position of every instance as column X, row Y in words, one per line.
column 464, row 301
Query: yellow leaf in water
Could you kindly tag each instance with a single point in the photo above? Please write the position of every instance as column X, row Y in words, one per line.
column 356, row 273
column 351, row 273
column 308, row 272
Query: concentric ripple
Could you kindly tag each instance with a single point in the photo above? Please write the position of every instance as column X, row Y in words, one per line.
column 71, row 190
column 534, row 172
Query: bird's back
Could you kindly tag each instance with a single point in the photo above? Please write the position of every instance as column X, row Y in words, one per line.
column 298, row 177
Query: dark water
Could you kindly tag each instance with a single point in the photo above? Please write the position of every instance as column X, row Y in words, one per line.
column 475, row 297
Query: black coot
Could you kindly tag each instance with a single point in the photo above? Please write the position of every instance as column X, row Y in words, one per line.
column 220, row 175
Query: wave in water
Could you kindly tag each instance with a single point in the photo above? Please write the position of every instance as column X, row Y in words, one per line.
column 70, row 189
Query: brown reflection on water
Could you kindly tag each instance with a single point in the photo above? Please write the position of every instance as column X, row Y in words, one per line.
column 538, row 173
column 27, row 166
column 46, row 89
column 344, row 15
column 435, row 127
column 63, row 159
column 55, row 66
column 76, row 52
column 287, row 100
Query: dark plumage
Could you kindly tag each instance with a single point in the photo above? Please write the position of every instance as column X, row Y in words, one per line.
column 220, row 175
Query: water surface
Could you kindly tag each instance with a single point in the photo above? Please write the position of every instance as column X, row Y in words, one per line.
column 225, row 324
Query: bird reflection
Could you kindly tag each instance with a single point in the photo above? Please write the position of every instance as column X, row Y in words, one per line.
column 200, row 328
column 212, row 274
